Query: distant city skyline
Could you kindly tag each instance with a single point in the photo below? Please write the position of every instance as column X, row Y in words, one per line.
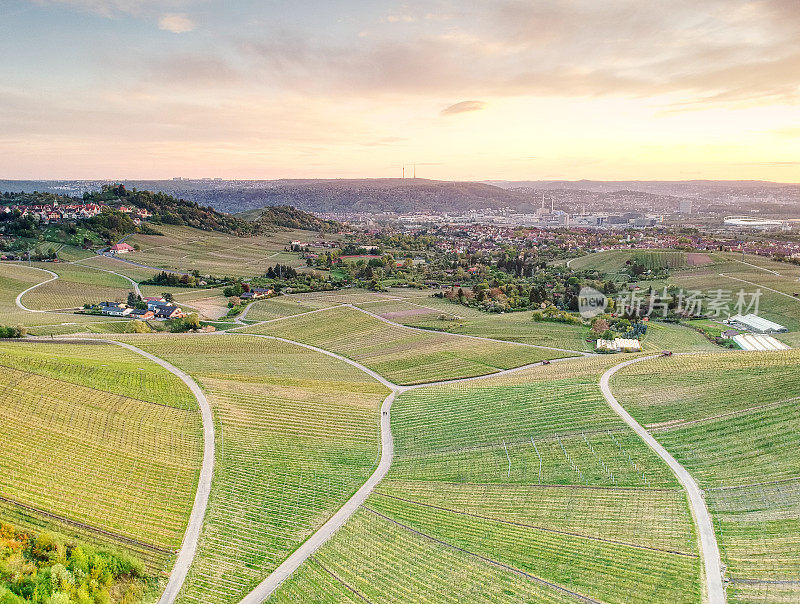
column 491, row 90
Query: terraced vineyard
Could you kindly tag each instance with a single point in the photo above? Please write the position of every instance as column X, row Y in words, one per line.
column 732, row 421
column 522, row 487
column 111, row 445
column 187, row 249
column 297, row 434
column 404, row 356
column 442, row 315
column 284, row 306
column 137, row 273
column 615, row 261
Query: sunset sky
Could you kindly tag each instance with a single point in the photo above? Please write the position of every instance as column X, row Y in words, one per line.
column 468, row 90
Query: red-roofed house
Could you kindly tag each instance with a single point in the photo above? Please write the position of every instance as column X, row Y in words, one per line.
column 121, row 248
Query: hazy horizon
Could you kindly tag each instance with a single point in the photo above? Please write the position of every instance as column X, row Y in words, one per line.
column 501, row 90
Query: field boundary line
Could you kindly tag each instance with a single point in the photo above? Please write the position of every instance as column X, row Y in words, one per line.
column 485, row 559
column 708, row 540
column 300, row 314
column 463, row 335
column 105, row 270
column 337, row 578
column 317, row 539
column 88, row 527
column 775, row 291
column 761, row 268
column 194, row 527
column 713, row 418
column 540, row 528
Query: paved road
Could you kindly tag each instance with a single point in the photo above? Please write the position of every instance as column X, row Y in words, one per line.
column 705, row 527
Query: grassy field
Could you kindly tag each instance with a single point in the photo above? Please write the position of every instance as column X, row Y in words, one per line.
column 100, row 436
column 732, row 274
column 186, row 249
column 678, row 338
column 297, row 434
column 732, row 421
column 419, row 309
column 467, row 512
column 404, row 356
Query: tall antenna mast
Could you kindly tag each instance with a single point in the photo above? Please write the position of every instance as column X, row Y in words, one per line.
column 415, row 170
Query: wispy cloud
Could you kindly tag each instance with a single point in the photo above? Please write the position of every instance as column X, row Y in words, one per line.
column 177, row 23
column 106, row 8
column 463, row 107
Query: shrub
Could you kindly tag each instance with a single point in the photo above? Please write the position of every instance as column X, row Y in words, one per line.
column 13, row 332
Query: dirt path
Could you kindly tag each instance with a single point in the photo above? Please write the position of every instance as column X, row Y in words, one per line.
column 463, row 335
column 19, row 297
column 705, row 527
column 327, row 530
column 195, row 525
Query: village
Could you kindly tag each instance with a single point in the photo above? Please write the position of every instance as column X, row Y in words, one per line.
column 56, row 213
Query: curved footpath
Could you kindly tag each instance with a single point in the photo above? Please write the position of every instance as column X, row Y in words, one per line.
column 133, row 283
column 195, row 525
column 327, row 530
column 708, row 539
column 53, row 277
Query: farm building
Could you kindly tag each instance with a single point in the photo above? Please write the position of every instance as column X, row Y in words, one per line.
column 619, row 345
column 749, row 341
column 121, row 248
column 114, row 310
column 756, row 324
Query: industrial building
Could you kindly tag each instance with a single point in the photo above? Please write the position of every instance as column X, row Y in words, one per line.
column 755, row 324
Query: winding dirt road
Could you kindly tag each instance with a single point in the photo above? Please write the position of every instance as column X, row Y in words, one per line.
column 327, row 530
column 708, row 539
column 195, row 525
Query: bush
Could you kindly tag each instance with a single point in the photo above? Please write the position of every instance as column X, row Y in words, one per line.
column 551, row 313
column 13, row 332
column 137, row 326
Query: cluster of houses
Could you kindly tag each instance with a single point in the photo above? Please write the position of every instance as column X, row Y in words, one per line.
column 56, row 212
column 157, row 308
column 257, row 292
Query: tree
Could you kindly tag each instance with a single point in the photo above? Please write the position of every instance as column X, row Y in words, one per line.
column 167, row 296
column 131, row 299
column 193, row 321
